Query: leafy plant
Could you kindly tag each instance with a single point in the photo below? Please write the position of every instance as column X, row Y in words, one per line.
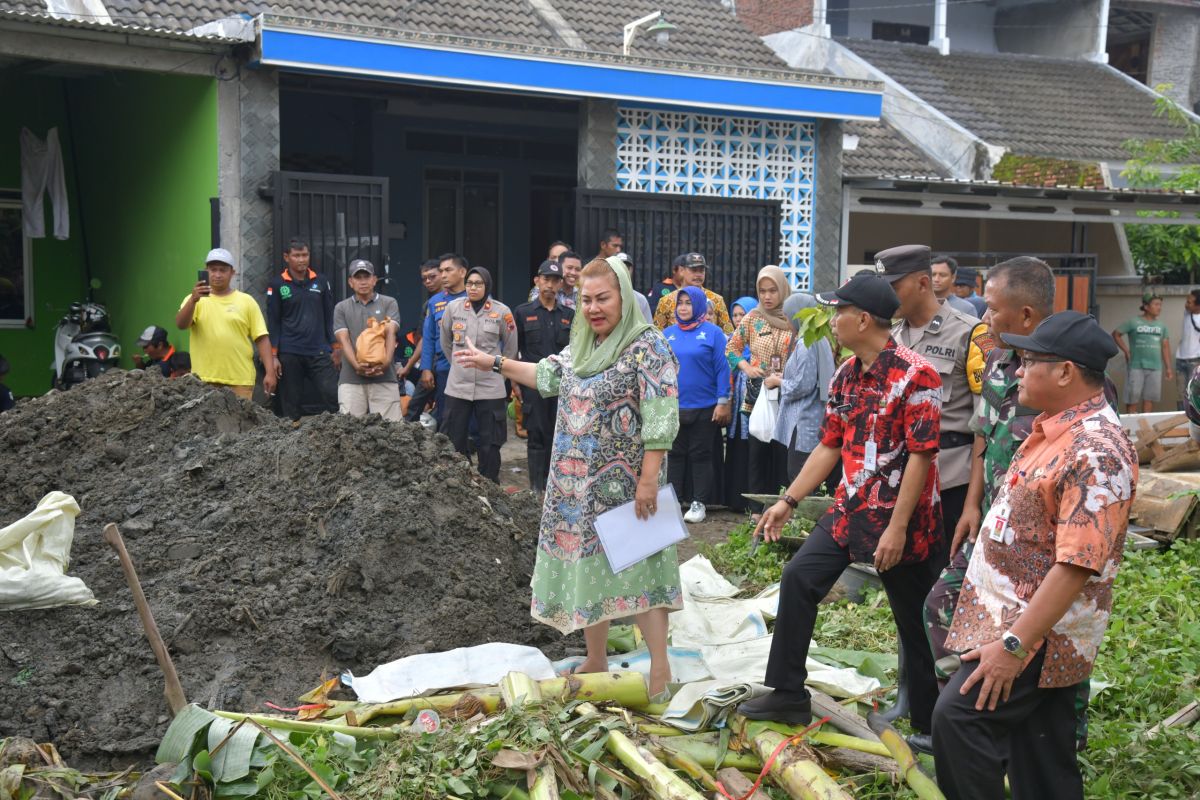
column 753, row 572
column 1169, row 252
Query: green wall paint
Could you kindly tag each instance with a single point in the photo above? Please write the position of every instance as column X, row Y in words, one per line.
column 146, row 152
column 58, row 275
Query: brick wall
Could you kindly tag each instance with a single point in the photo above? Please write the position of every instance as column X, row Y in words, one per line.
column 764, row 17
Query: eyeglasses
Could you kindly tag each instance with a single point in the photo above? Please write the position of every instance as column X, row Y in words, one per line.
column 1026, row 361
column 477, row 284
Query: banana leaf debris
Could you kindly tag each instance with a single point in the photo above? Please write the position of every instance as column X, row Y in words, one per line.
column 593, row 735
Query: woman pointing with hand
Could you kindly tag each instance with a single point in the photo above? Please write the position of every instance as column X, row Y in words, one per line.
column 618, row 414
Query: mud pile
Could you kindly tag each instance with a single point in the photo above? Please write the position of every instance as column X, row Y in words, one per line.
column 270, row 552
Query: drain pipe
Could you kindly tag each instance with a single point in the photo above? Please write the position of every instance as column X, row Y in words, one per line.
column 940, row 41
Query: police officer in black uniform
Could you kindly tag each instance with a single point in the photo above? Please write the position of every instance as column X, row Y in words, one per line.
column 543, row 329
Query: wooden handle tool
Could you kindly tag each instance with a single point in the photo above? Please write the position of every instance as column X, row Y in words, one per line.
column 173, row 690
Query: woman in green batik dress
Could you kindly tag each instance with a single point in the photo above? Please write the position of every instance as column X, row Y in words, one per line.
column 618, row 414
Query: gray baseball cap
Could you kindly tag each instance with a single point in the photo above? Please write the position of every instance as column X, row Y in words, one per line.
column 220, row 255
column 360, row 265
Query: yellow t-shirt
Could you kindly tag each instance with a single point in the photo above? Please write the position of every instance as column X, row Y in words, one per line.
column 222, row 331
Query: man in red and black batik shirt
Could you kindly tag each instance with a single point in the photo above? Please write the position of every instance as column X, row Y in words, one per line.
column 882, row 421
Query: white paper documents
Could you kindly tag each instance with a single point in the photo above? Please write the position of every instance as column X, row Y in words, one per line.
column 628, row 540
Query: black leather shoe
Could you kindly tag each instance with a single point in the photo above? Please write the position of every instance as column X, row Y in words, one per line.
column 790, row 707
column 922, row 743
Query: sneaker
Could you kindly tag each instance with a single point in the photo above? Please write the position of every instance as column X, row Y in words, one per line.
column 793, row 708
column 695, row 514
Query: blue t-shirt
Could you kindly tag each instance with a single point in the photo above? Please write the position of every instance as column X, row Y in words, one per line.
column 703, row 368
column 6, row 398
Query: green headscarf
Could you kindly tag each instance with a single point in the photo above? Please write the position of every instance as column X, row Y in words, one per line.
column 588, row 358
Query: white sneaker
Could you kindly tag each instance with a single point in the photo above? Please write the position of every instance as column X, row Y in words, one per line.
column 696, row 513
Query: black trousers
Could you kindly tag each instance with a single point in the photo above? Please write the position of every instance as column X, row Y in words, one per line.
column 298, row 371
column 420, row 398
column 491, row 418
column 796, row 459
column 693, row 448
column 540, row 415
column 806, row 581
column 734, row 470
column 767, row 468
column 1030, row 737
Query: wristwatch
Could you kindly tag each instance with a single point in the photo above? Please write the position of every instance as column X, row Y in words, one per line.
column 1012, row 643
column 791, row 501
column 498, row 364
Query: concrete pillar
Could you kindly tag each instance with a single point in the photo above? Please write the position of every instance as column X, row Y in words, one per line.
column 259, row 160
column 1175, row 53
column 827, row 208
column 597, row 157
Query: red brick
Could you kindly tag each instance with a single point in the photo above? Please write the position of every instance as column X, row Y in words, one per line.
column 771, row 16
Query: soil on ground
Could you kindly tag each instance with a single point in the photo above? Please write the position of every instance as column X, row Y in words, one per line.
column 270, row 552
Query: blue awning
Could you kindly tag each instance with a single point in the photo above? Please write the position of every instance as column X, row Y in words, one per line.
column 521, row 72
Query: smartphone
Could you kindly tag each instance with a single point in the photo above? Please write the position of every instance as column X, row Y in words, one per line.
column 202, row 276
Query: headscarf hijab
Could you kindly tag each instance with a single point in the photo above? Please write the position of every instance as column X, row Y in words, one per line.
column 792, row 306
column 487, row 286
column 748, row 304
column 699, row 308
column 588, row 358
column 775, row 318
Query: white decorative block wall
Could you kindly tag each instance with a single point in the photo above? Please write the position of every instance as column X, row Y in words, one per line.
column 677, row 152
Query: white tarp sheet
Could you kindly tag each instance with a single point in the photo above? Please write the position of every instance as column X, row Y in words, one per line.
column 35, row 553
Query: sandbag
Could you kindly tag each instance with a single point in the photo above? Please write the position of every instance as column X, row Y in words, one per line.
column 371, row 345
column 35, row 552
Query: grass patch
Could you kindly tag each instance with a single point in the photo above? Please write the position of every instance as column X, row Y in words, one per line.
column 753, row 572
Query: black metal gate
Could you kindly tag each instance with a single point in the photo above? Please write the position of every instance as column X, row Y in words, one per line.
column 342, row 217
column 737, row 236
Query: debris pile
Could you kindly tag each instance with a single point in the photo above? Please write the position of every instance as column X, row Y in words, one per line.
column 269, row 551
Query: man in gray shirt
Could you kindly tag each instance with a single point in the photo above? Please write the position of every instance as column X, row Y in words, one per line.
column 366, row 388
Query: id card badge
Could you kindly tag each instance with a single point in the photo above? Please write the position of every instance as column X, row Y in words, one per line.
column 997, row 534
column 869, row 456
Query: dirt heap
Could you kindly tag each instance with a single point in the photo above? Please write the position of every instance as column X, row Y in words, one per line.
column 269, row 552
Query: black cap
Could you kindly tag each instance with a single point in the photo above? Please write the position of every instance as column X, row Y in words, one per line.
column 694, row 261
column 551, row 268
column 1070, row 335
column 360, row 265
column 966, row 277
column 896, row 262
column 868, row 291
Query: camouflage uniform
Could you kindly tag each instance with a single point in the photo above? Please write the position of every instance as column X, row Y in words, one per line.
column 1193, row 397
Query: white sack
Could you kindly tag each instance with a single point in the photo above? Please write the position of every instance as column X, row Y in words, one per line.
column 35, row 552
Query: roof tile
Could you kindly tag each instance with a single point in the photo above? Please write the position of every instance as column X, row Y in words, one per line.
column 1032, row 105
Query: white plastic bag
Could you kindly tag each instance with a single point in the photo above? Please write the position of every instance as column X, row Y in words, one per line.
column 762, row 417
column 35, row 552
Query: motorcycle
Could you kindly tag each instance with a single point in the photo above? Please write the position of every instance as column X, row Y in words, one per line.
column 84, row 345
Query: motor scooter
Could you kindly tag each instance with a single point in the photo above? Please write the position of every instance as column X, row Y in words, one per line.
column 84, row 345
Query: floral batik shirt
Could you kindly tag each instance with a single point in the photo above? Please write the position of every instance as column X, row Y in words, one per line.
column 878, row 417
column 1064, row 500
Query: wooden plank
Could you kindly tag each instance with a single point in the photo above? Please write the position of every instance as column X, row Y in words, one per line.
column 1180, row 456
column 1153, row 508
column 1181, row 718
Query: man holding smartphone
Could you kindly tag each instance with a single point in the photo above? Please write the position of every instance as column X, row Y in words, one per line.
column 223, row 323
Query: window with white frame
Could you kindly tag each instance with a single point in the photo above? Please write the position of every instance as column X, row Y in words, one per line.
column 16, row 267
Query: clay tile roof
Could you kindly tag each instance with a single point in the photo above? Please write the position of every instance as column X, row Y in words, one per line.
column 884, row 151
column 708, row 33
column 1032, row 105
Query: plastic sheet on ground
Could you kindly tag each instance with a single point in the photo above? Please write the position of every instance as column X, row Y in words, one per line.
column 732, row 636
column 705, row 704
column 35, row 552
column 687, row 663
column 482, row 665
